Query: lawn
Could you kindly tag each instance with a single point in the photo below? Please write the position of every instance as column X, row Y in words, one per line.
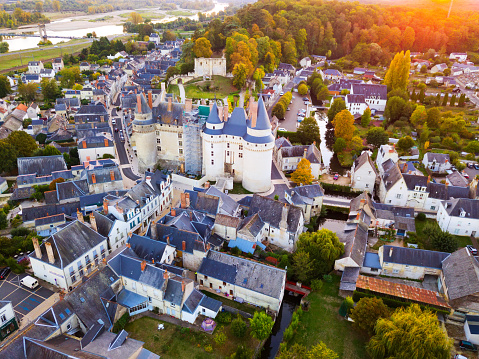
column 179, row 13
column 144, row 14
column 239, row 189
column 231, row 303
column 461, row 240
column 323, row 323
column 173, row 342
column 219, row 86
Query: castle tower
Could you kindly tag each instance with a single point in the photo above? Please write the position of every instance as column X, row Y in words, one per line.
column 258, row 150
column 144, row 135
column 213, row 146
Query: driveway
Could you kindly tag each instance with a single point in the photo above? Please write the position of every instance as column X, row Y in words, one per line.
column 290, row 121
column 23, row 299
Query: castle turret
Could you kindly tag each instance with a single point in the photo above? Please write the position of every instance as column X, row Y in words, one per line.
column 213, row 145
column 258, row 151
column 144, row 135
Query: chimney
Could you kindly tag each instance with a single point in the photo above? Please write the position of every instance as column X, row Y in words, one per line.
column 136, row 90
column 187, row 200
column 105, row 206
column 304, row 153
column 182, row 285
column 357, row 215
column 220, row 113
column 253, row 112
column 130, row 234
column 143, row 265
column 51, row 257
column 428, row 179
column 173, row 212
column 284, row 217
column 363, row 201
column 112, row 175
column 225, row 113
column 93, row 222
column 138, row 103
column 93, row 178
column 80, row 216
column 168, row 240
column 208, row 246
column 183, row 200
column 84, row 143
column 165, row 275
column 404, row 167
column 106, row 142
column 152, row 260
column 188, row 105
column 183, row 246
column 150, row 99
column 102, row 119
column 390, row 252
column 38, row 252
column 170, row 104
column 207, row 184
column 446, row 160
column 128, row 245
column 153, row 229
column 447, row 183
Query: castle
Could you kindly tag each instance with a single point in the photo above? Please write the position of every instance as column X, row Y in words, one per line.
column 204, row 140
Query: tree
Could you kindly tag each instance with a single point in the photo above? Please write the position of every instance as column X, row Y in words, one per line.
column 238, row 327
column 41, row 138
column 405, row 143
column 367, row 312
column 394, row 109
column 56, row 5
column 136, row 18
column 344, row 125
column 38, row 6
column 397, row 75
column 8, row 154
column 366, row 117
column 433, row 117
column 258, row 78
column 419, row 116
column 303, row 89
column 323, row 248
column 50, row 151
column 50, row 90
column 202, row 47
column 462, row 100
column 410, row 333
column 376, row 136
column 168, row 36
column 240, row 74
column 440, row 240
column 337, row 106
column 445, row 100
column 308, row 131
column 5, row 88
column 261, row 325
column 298, row 351
column 4, row 47
column 53, row 184
column 303, row 174
column 302, row 266
column 28, row 91
column 24, row 144
column 423, row 69
column 339, row 145
column 452, row 103
column 278, row 110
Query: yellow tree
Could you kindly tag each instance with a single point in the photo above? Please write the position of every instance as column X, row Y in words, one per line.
column 202, row 47
column 303, row 174
column 344, row 125
column 136, row 18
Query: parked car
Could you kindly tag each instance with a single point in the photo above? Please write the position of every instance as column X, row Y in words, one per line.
column 305, row 99
column 336, row 177
column 476, row 166
column 465, row 174
column 459, row 356
column 464, row 344
column 456, row 90
column 282, row 129
column 470, row 165
column 288, row 109
column 472, row 250
column 116, row 129
column 113, row 121
column 281, row 93
column 4, row 272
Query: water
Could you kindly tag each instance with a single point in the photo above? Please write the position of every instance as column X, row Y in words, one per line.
column 326, row 153
column 271, row 346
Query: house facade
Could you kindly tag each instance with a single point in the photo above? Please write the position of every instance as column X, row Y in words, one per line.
column 459, row 216
column 437, row 162
column 364, row 173
column 8, row 319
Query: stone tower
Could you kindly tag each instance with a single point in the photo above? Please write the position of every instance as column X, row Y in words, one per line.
column 144, row 133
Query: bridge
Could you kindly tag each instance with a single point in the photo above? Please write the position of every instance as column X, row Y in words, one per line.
column 295, row 288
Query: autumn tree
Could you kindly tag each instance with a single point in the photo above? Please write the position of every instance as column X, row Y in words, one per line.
column 136, row 18
column 240, row 74
column 377, row 136
column 433, row 117
column 28, row 91
column 258, row 78
column 337, row 106
column 202, row 47
column 323, row 248
column 367, row 312
column 24, row 144
column 56, row 5
column 308, row 131
column 397, row 75
column 278, row 110
column 419, row 116
column 261, row 325
column 303, row 174
column 410, row 333
column 405, row 143
column 445, row 100
column 303, row 89
column 344, row 125
column 366, row 117
column 462, row 100
column 53, row 184
column 298, row 351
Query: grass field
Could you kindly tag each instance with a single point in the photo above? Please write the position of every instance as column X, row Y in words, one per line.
column 219, row 86
column 323, row 323
column 171, row 343
column 99, row 19
column 179, row 13
column 144, row 14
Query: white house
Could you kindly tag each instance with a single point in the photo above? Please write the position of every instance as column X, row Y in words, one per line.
column 471, row 328
column 438, row 68
column 68, row 255
column 115, row 230
column 243, row 280
column 375, row 96
column 385, row 153
column 356, row 104
column 34, row 67
column 309, row 198
column 8, row 320
column 57, row 64
column 392, row 188
column 363, row 173
column 437, row 162
column 84, row 66
column 459, row 216
column 459, row 56
column 93, row 148
column 288, row 156
column 305, row 62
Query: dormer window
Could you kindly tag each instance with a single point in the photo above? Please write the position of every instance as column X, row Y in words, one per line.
column 416, row 188
column 423, row 189
column 463, row 213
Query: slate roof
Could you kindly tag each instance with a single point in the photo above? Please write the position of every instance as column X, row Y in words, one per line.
column 455, row 207
column 228, row 221
column 356, row 239
column 227, row 204
column 211, row 304
column 362, row 160
column 244, row 273
column 313, row 155
column 438, row 157
column 95, row 142
column 371, row 260
column 193, row 300
column 71, row 189
column 461, row 274
column 173, row 292
column 251, row 224
column 236, row 124
column 147, row 248
column 30, row 213
column 414, row 257
column 70, row 243
column 308, row 191
column 41, row 165
column 457, row 179
column 348, row 278
column 414, row 180
column 371, row 90
column 350, row 98
column 391, row 174
column 22, row 193
column 49, row 220
column 102, row 175
column 282, row 142
column 103, row 223
column 193, row 241
column 270, row 212
column 473, row 323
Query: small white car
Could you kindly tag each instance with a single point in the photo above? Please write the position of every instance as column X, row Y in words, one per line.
column 29, row 282
column 282, row 129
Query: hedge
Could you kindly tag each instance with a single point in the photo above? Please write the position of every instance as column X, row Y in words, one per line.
column 121, row 323
column 338, row 188
column 291, row 136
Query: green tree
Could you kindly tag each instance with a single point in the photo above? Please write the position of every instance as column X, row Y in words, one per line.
column 278, row 110
column 394, row 109
column 302, row 266
column 367, row 312
column 303, row 174
column 8, row 154
column 238, row 327
column 452, row 103
column 377, row 136
column 5, row 88
column 3, row 219
column 4, row 47
column 405, row 143
column 258, row 78
column 202, row 47
column 303, row 89
column 445, row 99
column 50, row 151
column 50, row 90
column 344, row 125
column 28, row 91
column 24, row 144
column 419, row 116
column 323, row 247
column 298, row 351
column 41, row 138
column 240, row 74
column 440, row 240
column 366, row 117
column 433, row 117
column 462, row 100
column 397, row 75
column 339, row 145
column 308, row 131
column 261, row 325
column 410, row 333
column 337, row 106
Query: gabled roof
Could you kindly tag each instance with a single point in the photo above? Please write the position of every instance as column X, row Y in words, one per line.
column 461, row 274
column 271, row 211
column 227, row 204
column 364, row 159
column 41, row 165
column 462, row 207
column 414, row 257
column 414, row 180
column 371, row 90
column 391, row 174
column 437, row 157
column 147, row 248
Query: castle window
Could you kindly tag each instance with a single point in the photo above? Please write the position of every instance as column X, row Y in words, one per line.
column 212, row 153
column 158, row 148
column 180, row 135
column 241, row 147
column 240, row 155
column 227, row 145
column 211, row 145
column 180, row 143
column 158, row 140
column 214, row 127
column 212, row 162
column 227, row 153
column 180, row 151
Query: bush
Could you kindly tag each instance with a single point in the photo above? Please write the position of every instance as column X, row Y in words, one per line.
column 208, row 348
column 288, row 334
column 220, row 338
column 121, row 323
column 327, row 278
column 421, row 217
column 223, row 317
column 238, row 327
column 316, row 284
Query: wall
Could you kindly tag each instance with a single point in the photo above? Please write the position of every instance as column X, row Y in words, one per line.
column 193, row 261
column 48, row 273
column 363, row 179
column 90, row 154
column 170, row 139
column 210, row 66
column 257, row 167
column 188, row 181
column 225, row 232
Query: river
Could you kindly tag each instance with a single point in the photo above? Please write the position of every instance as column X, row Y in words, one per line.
column 22, row 43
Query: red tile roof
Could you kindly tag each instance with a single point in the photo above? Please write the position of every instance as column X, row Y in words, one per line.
column 405, row 291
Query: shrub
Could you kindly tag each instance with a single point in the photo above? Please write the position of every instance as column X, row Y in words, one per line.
column 327, row 278
column 220, row 338
column 223, row 317
column 208, row 348
column 238, row 327
column 121, row 323
column 316, row 284
column 288, row 334
column 421, row 217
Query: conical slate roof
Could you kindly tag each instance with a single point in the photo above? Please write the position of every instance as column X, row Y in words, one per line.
column 262, row 119
column 236, row 125
column 213, row 117
column 143, row 108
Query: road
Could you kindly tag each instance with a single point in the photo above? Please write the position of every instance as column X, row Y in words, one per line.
column 469, row 93
column 288, row 87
